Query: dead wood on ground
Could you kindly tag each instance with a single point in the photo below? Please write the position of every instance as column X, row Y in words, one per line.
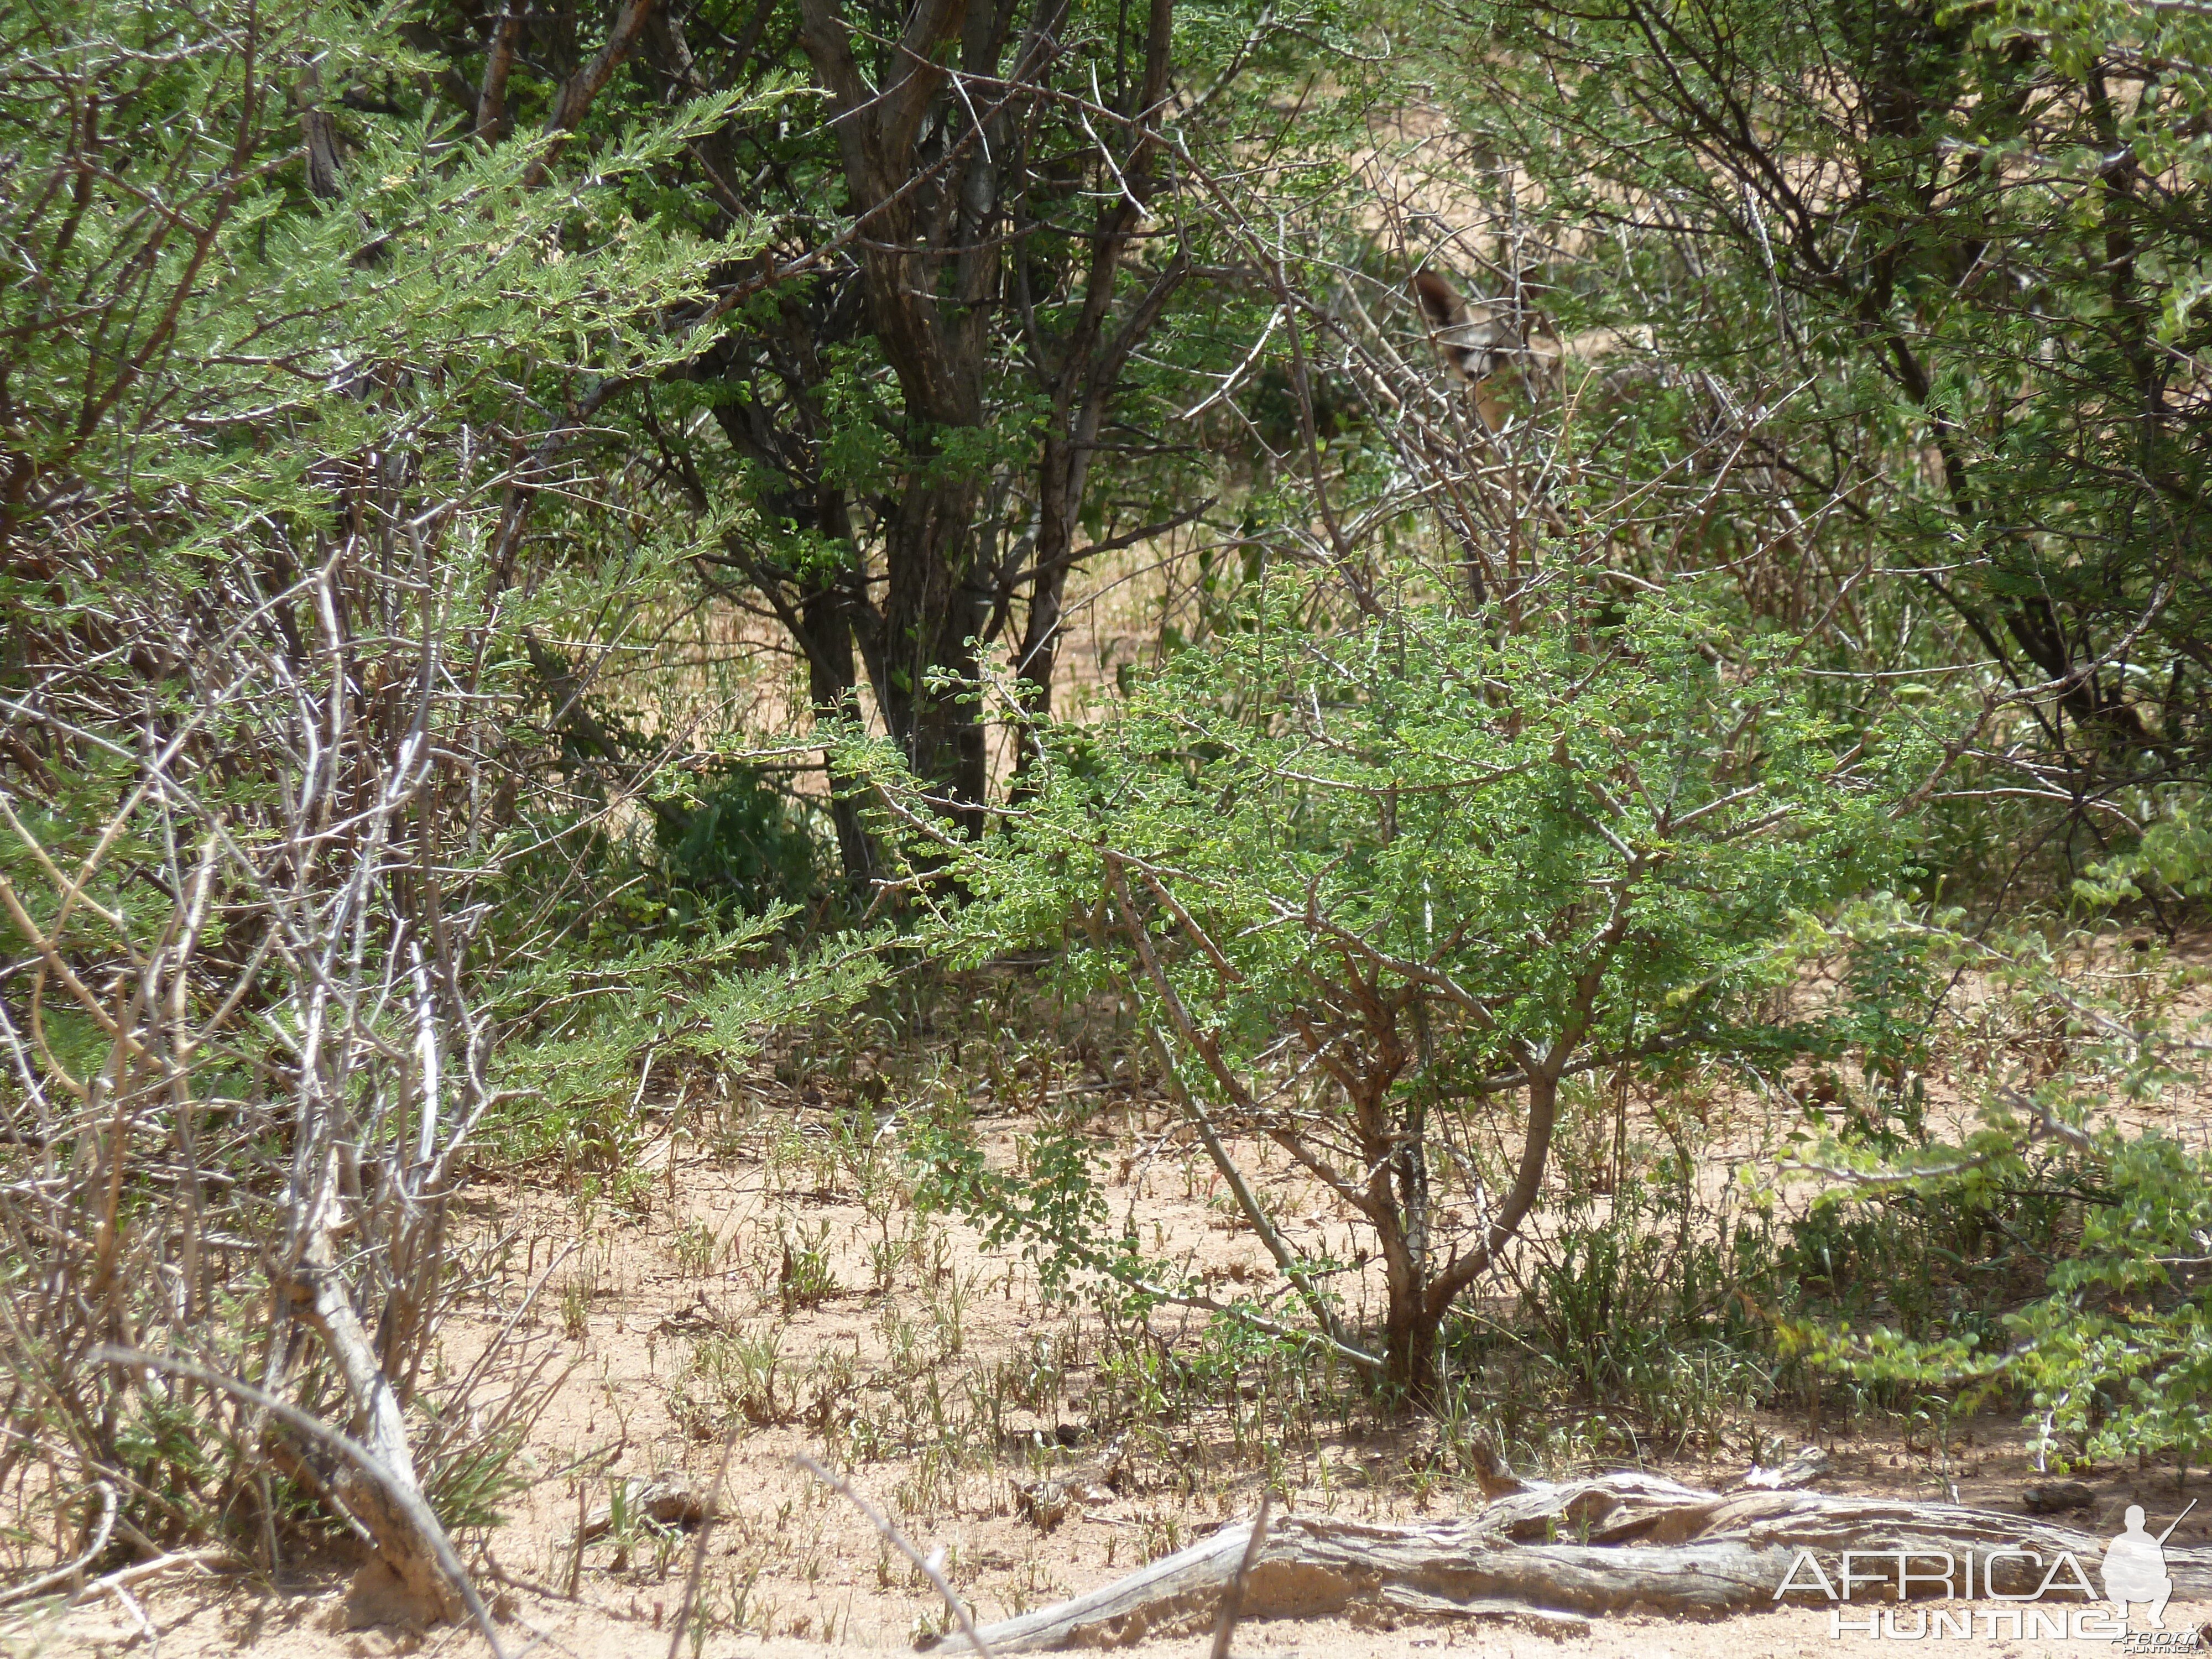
column 1552, row 1556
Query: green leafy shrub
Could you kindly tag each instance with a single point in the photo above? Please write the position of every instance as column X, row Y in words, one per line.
column 2171, row 859
column 1378, row 892
column 2057, row 1257
column 297, row 782
column 733, row 838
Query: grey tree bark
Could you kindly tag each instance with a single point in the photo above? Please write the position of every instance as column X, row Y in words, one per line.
column 1643, row 1544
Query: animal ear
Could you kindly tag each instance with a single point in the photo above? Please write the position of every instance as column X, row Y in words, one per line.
column 1440, row 301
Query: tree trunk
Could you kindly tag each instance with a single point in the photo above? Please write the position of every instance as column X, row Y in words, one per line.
column 1409, row 1353
column 1088, row 377
column 831, row 682
column 1063, row 472
column 933, row 334
column 932, row 612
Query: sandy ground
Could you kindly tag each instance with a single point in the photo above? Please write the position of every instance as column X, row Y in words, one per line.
column 295, row 1627
column 941, row 1376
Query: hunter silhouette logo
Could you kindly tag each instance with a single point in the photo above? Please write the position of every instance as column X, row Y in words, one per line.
column 2135, row 1567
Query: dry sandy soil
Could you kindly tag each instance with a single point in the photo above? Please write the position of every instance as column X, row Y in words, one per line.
column 764, row 1267
column 288, row 1630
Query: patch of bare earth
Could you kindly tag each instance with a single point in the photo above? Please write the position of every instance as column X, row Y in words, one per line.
column 768, row 1273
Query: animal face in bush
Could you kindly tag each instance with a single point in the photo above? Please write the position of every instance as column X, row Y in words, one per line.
column 1493, row 346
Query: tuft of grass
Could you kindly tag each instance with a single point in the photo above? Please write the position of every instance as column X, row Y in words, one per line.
column 577, row 1291
column 804, row 1278
column 695, row 1247
column 730, row 1375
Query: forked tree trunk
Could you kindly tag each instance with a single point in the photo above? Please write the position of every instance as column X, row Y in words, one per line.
column 404, row 1583
column 1421, row 1289
column 929, row 278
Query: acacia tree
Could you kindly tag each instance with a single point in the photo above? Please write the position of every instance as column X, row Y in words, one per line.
column 284, row 817
column 1380, row 890
column 973, row 291
column 1933, row 274
column 999, row 175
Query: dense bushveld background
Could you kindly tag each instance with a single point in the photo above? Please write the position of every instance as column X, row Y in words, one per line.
column 902, row 599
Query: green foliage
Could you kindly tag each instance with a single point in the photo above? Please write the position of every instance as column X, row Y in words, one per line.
column 299, row 604
column 2171, row 859
column 734, row 839
column 2119, row 1357
column 1633, row 1304
column 1457, row 800
column 583, row 1022
column 2114, row 1357
column 1944, row 264
column 1369, row 886
column 2106, row 1344
column 1049, row 1204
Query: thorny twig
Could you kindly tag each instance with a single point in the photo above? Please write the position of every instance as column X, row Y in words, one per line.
column 931, row 1565
column 699, row 1545
column 1233, row 1593
column 402, row 1495
column 62, row 1575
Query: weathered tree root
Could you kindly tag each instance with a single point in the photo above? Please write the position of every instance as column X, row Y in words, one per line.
column 1642, row 1545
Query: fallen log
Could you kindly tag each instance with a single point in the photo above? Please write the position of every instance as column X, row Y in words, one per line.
column 1554, row 1556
